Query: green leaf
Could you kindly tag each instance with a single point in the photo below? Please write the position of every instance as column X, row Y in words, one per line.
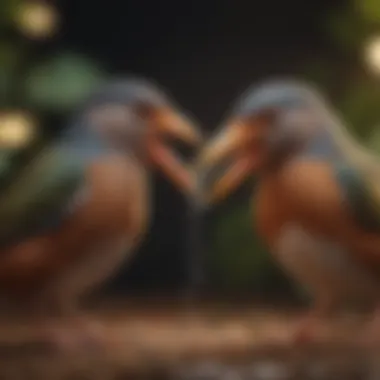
column 63, row 81
column 5, row 163
column 8, row 12
column 369, row 9
column 373, row 142
column 347, row 29
column 9, row 59
column 360, row 106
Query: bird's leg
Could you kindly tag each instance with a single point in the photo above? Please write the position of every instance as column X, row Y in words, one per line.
column 48, row 323
column 371, row 335
column 51, row 315
column 81, row 279
column 65, row 328
column 66, row 290
column 308, row 328
column 81, row 329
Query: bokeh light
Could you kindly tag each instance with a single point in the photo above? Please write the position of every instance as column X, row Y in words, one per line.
column 37, row 20
column 17, row 129
column 372, row 54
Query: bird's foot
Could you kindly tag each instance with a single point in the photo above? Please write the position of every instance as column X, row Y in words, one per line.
column 304, row 333
column 308, row 331
column 79, row 334
column 371, row 335
column 91, row 332
column 59, row 338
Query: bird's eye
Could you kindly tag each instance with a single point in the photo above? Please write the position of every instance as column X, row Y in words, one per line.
column 264, row 118
column 144, row 110
column 267, row 115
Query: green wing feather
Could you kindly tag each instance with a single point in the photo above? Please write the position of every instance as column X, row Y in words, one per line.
column 36, row 199
column 360, row 184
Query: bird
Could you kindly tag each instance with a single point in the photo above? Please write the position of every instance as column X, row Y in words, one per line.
column 316, row 203
column 78, row 209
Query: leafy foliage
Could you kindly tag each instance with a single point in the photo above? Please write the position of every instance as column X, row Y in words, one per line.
column 241, row 261
column 360, row 106
column 374, row 140
column 347, row 28
column 9, row 59
column 8, row 12
column 62, row 82
column 369, row 10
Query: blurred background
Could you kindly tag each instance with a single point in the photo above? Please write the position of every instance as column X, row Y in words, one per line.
column 52, row 54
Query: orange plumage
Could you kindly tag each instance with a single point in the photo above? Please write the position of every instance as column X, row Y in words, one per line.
column 307, row 192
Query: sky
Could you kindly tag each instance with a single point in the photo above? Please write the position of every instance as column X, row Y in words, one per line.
column 205, row 53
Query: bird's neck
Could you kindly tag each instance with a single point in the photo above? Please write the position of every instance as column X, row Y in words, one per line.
column 345, row 146
column 334, row 142
column 322, row 146
column 331, row 143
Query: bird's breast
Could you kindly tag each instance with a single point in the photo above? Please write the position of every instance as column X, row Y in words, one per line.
column 118, row 197
column 300, row 215
column 307, row 192
column 322, row 266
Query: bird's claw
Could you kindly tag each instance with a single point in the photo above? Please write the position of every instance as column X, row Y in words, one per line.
column 371, row 336
column 307, row 331
column 79, row 336
column 303, row 335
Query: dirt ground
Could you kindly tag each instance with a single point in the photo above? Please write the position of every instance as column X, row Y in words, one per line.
column 212, row 342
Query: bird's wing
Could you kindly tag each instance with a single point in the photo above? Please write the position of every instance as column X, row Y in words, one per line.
column 361, row 189
column 37, row 198
column 49, row 187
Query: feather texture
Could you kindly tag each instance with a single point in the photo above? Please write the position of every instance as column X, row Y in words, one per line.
column 361, row 201
column 47, row 189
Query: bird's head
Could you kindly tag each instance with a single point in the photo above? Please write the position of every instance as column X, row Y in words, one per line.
column 267, row 126
column 135, row 116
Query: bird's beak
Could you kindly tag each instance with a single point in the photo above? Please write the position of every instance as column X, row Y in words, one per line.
column 175, row 126
column 179, row 127
column 232, row 142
